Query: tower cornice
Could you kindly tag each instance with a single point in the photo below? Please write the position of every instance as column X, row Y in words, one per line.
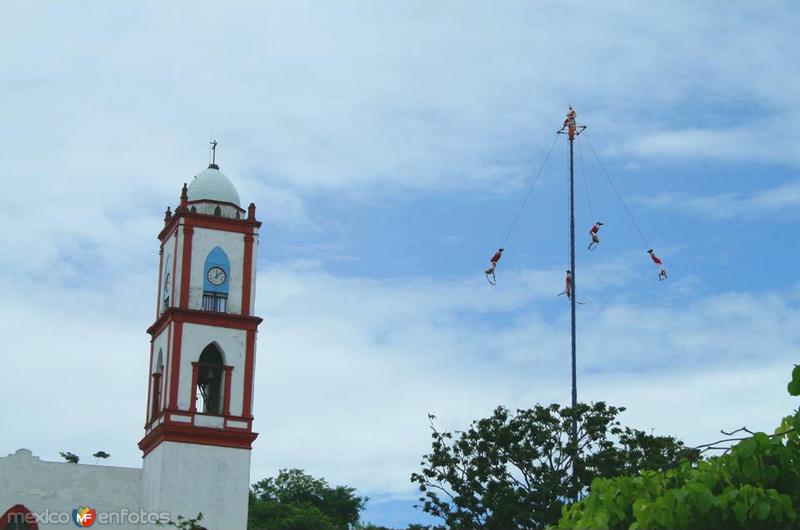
column 212, row 222
column 208, row 318
column 186, row 433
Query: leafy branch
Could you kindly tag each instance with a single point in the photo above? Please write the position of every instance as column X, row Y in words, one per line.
column 185, row 524
column 71, row 458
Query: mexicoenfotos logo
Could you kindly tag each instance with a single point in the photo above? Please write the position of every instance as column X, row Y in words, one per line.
column 84, row 516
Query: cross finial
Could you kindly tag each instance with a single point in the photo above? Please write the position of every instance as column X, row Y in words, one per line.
column 213, row 144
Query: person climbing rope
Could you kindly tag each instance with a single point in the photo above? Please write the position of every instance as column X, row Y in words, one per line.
column 662, row 272
column 567, row 286
column 594, row 233
column 570, row 123
column 490, row 277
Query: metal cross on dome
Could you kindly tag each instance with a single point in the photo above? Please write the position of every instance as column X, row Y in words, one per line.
column 213, row 144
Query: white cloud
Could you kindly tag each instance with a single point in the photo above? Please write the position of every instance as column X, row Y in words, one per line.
column 780, row 199
column 761, row 140
column 416, row 97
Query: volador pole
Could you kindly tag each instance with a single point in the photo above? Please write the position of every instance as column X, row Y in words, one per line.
column 572, row 269
column 573, row 130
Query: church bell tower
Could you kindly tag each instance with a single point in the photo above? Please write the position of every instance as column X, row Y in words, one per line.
column 199, row 424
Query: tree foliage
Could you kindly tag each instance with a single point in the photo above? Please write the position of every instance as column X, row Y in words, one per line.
column 515, row 470
column 69, row 457
column 754, row 485
column 184, row 523
column 295, row 500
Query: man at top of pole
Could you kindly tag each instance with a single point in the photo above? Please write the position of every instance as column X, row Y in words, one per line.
column 569, row 123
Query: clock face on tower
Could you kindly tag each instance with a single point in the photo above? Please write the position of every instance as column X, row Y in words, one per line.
column 216, row 276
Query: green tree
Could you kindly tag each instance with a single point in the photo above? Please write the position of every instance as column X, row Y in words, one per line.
column 295, row 500
column 100, row 454
column 184, row 523
column 413, row 526
column 755, row 484
column 515, row 470
column 70, row 458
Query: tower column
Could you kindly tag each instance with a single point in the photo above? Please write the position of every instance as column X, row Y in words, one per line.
column 247, row 273
column 186, row 266
column 249, row 363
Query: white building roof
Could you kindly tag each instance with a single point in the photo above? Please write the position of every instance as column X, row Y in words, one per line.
column 213, row 185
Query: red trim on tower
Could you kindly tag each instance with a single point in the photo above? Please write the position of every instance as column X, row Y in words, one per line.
column 249, row 362
column 244, row 226
column 193, row 397
column 174, row 372
column 186, row 433
column 186, row 265
column 226, row 224
column 226, row 406
column 168, row 368
column 247, row 273
column 205, row 318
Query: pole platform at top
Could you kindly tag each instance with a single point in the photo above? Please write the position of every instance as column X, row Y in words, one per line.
column 571, row 125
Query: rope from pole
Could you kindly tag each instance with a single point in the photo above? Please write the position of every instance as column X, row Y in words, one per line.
column 617, row 193
column 586, row 184
column 528, row 194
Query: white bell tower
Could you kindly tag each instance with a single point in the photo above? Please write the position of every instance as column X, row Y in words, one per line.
column 199, row 425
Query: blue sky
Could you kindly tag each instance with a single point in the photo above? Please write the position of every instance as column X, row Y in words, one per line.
column 388, row 147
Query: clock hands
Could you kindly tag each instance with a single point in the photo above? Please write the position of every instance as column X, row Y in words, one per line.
column 216, row 276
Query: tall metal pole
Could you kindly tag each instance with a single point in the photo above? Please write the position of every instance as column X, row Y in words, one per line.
column 572, row 272
column 573, row 129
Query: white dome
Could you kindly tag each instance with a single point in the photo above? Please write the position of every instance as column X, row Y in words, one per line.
column 212, row 185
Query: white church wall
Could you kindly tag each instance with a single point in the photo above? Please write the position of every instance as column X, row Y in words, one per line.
column 253, row 272
column 233, row 343
column 168, row 272
column 176, row 243
column 187, row 479
column 54, row 489
column 203, row 241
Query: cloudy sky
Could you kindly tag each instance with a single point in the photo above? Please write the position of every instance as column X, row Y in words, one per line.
column 388, row 147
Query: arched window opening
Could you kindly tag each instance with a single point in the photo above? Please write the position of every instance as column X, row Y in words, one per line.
column 18, row 517
column 193, row 209
column 216, row 281
column 156, row 377
column 166, row 288
column 218, row 211
column 210, row 371
column 165, row 302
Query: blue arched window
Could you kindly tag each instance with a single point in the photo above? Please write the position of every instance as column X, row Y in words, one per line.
column 216, row 281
